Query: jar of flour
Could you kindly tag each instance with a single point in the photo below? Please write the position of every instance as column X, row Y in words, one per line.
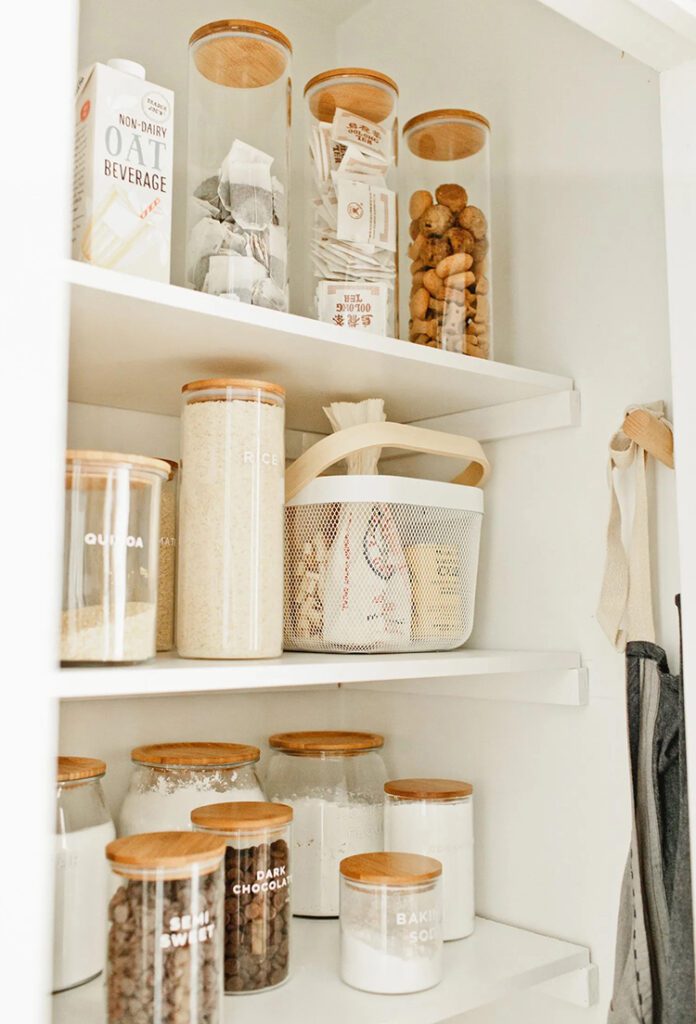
column 334, row 783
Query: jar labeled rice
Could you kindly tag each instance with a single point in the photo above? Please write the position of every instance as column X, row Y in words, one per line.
column 230, row 566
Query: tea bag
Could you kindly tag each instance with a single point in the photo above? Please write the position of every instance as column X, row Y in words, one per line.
column 230, row 273
column 267, row 293
column 246, row 188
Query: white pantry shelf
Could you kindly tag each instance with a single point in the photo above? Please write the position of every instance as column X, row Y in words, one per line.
column 536, row 676
column 494, row 961
column 134, row 343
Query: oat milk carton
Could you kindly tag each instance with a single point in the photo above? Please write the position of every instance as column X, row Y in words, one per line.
column 122, row 188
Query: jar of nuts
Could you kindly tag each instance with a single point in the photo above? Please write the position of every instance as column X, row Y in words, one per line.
column 257, row 890
column 449, row 231
column 166, row 917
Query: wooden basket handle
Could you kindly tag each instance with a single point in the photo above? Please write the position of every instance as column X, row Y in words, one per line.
column 334, row 447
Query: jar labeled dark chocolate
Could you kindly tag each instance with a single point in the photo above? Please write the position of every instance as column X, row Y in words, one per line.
column 165, row 916
column 258, row 886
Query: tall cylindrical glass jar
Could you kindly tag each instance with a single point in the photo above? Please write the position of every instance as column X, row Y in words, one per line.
column 168, row 780
column 334, row 783
column 353, row 135
column 391, row 922
column 435, row 817
column 231, row 500
column 258, row 886
column 166, row 917
column 112, row 504
column 447, row 166
column 238, row 155
column 83, row 829
column 166, row 579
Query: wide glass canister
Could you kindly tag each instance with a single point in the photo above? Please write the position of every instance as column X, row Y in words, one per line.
column 334, row 783
column 168, row 780
column 238, row 156
column 447, row 166
column 391, row 922
column 258, row 886
column 166, row 579
column 111, row 547
column 435, row 817
column 83, row 829
column 166, row 917
column 353, row 135
column 231, row 501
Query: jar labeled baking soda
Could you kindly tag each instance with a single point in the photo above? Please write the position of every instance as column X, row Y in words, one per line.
column 231, row 502
column 258, row 883
column 447, row 165
column 391, row 922
column 435, row 817
column 166, row 918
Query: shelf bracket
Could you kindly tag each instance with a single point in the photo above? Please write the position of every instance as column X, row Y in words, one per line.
column 513, row 419
column 580, row 987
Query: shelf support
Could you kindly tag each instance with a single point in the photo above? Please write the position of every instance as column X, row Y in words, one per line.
column 580, row 988
column 513, row 419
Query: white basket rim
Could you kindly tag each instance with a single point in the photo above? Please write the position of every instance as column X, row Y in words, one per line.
column 397, row 490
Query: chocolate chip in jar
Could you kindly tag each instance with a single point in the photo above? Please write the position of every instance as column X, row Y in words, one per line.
column 258, row 885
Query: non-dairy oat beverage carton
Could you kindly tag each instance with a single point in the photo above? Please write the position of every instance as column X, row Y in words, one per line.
column 122, row 186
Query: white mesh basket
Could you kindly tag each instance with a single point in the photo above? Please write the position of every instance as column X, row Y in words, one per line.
column 381, row 564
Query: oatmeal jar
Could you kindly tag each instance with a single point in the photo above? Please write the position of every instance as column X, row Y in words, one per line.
column 258, row 885
column 112, row 504
column 166, row 915
column 334, row 783
column 238, row 151
column 447, row 164
column 168, row 780
column 83, row 828
column 166, row 579
column 391, row 922
column 352, row 126
column 435, row 817
column 231, row 502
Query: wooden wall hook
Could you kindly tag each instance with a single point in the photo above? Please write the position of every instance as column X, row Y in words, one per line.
column 651, row 434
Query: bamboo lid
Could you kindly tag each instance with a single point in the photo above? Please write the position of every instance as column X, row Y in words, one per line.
column 368, row 98
column 391, row 868
column 240, row 54
column 428, row 789
column 196, row 755
column 446, row 134
column 242, row 816
column 327, row 742
column 173, row 466
column 233, row 382
column 118, row 458
column 72, row 769
column 165, row 850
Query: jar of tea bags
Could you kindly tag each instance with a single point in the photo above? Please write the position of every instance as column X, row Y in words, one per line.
column 238, row 134
column 352, row 151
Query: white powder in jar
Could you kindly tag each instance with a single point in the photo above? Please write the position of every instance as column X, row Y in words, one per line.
column 88, row 635
column 366, row 966
column 324, row 832
column 230, row 570
column 168, row 806
column 81, row 897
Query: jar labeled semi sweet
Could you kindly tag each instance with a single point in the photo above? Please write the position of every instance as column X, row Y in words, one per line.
column 83, row 829
column 391, row 922
column 447, row 165
column 334, row 783
column 169, row 780
column 230, row 570
column 435, row 817
column 165, row 923
column 258, row 884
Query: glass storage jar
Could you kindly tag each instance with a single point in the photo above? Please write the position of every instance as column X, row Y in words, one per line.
column 334, row 782
column 391, row 922
column 352, row 124
column 110, row 556
column 231, row 501
column 168, row 780
column 447, row 165
column 166, row 585
column 164, row 951
column 435, row 817
column 83, row 829
column 238, row 151
column 258, row 887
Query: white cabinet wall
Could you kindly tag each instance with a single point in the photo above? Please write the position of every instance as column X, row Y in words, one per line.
column 581, row 275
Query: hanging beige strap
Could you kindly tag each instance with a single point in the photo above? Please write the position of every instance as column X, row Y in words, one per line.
column 625, row 610
column 332, row 449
